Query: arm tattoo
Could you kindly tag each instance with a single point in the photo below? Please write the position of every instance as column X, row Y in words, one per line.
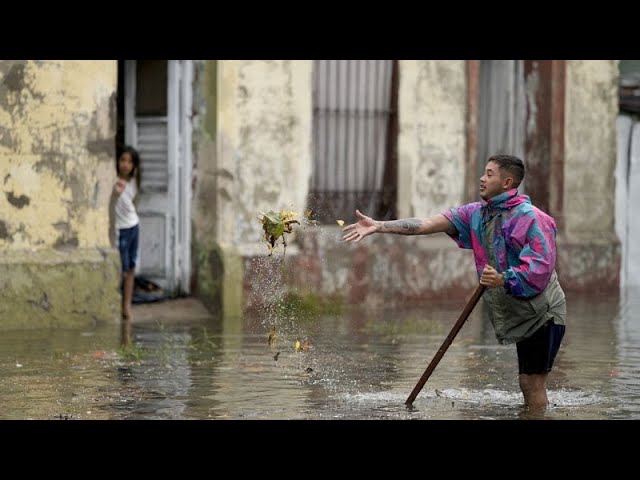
column 406, row 226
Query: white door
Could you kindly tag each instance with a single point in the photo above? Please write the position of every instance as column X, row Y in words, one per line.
column 157, row 124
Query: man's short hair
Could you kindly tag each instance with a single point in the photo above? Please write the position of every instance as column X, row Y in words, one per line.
column 510, row 164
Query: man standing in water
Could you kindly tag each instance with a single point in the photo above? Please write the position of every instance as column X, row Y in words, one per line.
column 514, row 245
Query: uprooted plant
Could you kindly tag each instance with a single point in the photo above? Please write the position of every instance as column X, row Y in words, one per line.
column 275, row 225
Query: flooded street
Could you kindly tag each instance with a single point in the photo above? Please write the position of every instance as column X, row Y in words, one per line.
column 357, row 365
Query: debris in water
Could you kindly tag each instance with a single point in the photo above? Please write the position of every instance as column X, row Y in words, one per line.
column 310, row 220
column 305, row 346
column 275, row 225
column 273, row 336
column 275, row 357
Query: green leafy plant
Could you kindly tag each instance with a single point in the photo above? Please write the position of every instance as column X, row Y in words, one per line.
column 275, row 225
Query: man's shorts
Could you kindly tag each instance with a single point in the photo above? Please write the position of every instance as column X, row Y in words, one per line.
column 537, row 353
column 128, row 246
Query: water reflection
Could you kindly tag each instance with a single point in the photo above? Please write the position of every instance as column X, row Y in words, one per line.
column 359, row 365
column 625, row 373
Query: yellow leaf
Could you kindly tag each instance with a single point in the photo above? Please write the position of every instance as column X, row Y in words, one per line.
column 297, row 346
column 340, row 222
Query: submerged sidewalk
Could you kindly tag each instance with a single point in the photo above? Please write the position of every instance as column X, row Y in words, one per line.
column 186, row 309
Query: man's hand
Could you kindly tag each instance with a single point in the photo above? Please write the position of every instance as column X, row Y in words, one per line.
column 357, row 231
column 491, row 277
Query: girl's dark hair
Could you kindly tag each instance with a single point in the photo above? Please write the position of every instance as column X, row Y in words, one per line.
column 135, row 158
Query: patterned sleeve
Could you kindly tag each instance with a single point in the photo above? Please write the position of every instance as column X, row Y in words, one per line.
column 536, row 235
column 460, row 217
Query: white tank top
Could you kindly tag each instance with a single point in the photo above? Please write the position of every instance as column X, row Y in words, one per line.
column 125, row 210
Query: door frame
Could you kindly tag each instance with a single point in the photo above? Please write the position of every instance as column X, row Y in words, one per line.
column 179, row 163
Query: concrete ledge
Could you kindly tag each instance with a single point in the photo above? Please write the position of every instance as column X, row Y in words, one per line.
column 176, row 311
column 394, row 270
column 219, row 280
column 54, row 288
column 589, row 266
column 385, row 270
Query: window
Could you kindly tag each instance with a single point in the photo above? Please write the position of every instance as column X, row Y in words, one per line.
column 354, row 139
column 629, row 86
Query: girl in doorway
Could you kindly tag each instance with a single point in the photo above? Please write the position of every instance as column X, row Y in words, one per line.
column 125, row 191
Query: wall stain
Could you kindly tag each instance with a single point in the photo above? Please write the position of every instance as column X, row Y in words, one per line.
column 4, row 231
column 15, row 78
column 18, row 202
column 63, row 242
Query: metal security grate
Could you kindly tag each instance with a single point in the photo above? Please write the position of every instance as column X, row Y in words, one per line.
column 153, row 148
column 354, row 138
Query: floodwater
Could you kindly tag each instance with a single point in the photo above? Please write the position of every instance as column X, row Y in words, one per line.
column 360, row 364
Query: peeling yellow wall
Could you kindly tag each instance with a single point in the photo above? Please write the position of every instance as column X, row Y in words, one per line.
column 57, row 130
column 227, row 145
column 263, row 144
column 432, row 136
column 590, row 148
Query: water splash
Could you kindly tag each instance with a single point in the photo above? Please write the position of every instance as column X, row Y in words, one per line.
column 557, row 398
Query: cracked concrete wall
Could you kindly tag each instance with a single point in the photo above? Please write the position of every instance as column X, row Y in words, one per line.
column 432, row 105
column 257, row 156
column 57, row 129
column 252, row 144
column 393, row 270
column 57, row 149
column 589, row 250
column 263, row 144
column 590, row 151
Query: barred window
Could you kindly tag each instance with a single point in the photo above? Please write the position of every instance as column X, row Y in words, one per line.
column 354, row 139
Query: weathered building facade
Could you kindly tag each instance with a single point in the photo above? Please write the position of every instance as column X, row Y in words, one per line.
column 222, row 141
column 57, row 147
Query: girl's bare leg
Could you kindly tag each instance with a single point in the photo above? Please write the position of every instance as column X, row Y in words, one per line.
column 127, row 295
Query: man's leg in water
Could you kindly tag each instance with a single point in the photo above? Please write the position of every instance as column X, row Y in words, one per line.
column 535, row 360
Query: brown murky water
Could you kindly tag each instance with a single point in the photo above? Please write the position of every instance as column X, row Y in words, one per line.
column 360, row 365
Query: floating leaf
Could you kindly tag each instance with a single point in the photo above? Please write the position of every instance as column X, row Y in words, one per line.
column 340, row 222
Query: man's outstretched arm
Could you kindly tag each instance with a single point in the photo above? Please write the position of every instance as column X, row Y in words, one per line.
column 405, row 226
